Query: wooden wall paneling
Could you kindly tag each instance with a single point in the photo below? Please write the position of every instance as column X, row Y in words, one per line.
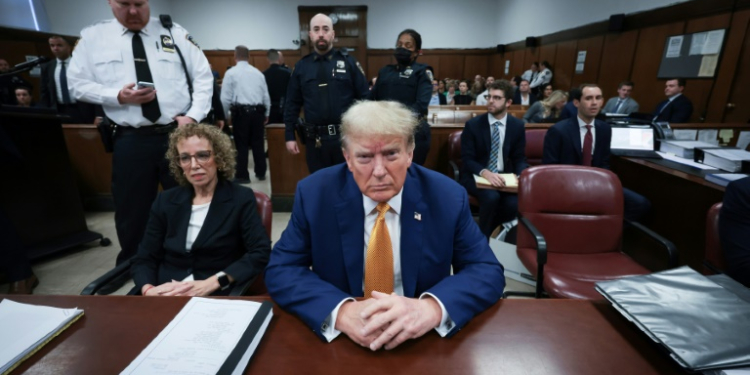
column 733, row 86
column 593, row 48
column 699, row 90
column 617, row 58
column 475, row 64
column 433, row 61
column 517, row 65
column 645, row 67
column 547, row 53
column 497, row 66
column 375, row 63
column 452, row 66
column 530, row 55
column 564, row 65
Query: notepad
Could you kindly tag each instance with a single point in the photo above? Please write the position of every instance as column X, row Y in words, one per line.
column 25, row 329
column 208, row 336
column 511, row 181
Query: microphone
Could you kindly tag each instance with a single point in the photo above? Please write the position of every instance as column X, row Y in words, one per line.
column 32, row 63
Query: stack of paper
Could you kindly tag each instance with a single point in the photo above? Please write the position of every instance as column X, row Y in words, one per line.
column 511, row 181
column 683, row 149
column 724, row 179
column 24, row 329
column 705, row 325
column 728, row 159
column 208, row 336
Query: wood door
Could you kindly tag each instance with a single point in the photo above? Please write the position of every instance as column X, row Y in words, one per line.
column 350, row 26
column 736, row 107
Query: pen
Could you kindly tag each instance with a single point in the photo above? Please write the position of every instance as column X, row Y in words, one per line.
column 157, row 45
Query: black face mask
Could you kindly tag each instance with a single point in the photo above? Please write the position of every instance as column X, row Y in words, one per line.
column 403, row 56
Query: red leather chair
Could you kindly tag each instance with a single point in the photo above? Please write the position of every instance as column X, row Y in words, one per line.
column 249, row 288
column 454, row 159
column 714, row 262
column 535, row 146
column 570, row 232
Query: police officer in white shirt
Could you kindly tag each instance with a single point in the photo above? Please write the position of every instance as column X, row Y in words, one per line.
column 110, row 58
column 544, row 77
column 244, row 91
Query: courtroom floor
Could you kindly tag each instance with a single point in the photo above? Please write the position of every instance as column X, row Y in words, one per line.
column 69, row 272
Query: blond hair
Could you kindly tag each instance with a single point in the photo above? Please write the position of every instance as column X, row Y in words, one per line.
column 223, row 153
column 370, row 119
column 549, row 103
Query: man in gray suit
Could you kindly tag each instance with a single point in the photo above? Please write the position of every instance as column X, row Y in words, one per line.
column 622, row 103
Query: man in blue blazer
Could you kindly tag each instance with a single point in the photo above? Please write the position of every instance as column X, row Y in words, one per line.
column 565, row 141
column 524, row 92
column 334, row 242
column 677, row 108
column 734, row 230
column 477, row 157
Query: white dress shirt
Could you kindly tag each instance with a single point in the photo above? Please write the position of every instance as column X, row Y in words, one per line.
column 393, row 223
column 435, row 99
column 503, row 120
column 197, row 218
column 544, row 77
column 582, row 127
column 58, row 88
column 480, row 100
column 103, row 64
column 524, row 100
column 244, row 84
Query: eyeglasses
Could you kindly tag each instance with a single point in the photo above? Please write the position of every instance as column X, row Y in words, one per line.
column 200, row 156
column 495, row 98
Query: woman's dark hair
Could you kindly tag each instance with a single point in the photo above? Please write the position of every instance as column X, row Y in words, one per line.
column 415, row 35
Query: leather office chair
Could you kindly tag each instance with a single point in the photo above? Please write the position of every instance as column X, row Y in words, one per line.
column 454, row 159
column 570, row 231
column 535, row 146
column 256, row 286
column 714, row 262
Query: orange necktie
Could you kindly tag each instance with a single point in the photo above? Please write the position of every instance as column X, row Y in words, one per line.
column 379, row 261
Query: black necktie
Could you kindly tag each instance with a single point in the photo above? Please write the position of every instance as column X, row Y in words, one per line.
column 323, row 73
column 64, row 84
column 143, row 73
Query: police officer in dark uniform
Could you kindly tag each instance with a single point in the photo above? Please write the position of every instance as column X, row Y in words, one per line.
column 277, row 79
column 326, row 82
column 409, row 83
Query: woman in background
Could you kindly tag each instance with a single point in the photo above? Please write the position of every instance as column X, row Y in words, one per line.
column 547, row 110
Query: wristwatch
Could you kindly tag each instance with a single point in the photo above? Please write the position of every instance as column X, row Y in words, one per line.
column 223, row 280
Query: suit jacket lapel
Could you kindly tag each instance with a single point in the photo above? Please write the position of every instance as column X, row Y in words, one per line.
column 575, row 134
column 485, row 136
column 412, row 206
column 351, row 217
column 180, row 211
column 218, row 211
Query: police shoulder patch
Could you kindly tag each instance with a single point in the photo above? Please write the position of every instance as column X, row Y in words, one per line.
column 429, row 75
column 192, row 40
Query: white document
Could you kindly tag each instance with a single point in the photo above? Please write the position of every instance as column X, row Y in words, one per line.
column 696, row 46
column 199, row 339
column 709, row 136
column 24, row 327
column 713, row 42
column 581, row 56
column 743, row 140
column 688, row 162
column 708, row 65
column 685, row 134
column 675, row 46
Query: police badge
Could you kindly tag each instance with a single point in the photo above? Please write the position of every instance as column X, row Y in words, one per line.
column 167, row 45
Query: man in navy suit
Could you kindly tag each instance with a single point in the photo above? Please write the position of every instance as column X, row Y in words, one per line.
column 491, row 144
column 677, row 108
column 55, row 91
column 734, row 230
column 583, row 140
column 523, row 95
column 378, row 217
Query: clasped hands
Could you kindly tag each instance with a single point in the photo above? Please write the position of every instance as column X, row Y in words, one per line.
column 193, row 288
column 494, row 178
column 385, row 321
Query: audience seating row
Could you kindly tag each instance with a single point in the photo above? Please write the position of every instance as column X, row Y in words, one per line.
column 462, row 116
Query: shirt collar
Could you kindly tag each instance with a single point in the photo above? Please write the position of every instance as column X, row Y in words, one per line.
column 143, row 31
column 326, row 56
column 64, row 61
column 394, row 202
column 242, row 62
column 671, row 98
column 502, row 119
column 583, row 124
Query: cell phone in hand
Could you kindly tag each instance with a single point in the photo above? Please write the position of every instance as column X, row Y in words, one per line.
column 144, row 85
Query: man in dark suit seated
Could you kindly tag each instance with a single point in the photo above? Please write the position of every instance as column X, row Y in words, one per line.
column 677, row 108
column 584, row 140
column 55, row 90
column 734, row 230
column 523, row 95
column 491, row 144
column 385, row 229
column 570, row 109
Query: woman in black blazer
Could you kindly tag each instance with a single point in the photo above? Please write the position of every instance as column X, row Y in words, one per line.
column 205, row 235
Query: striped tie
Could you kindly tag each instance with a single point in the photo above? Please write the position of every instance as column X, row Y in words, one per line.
column 495, row 152
column 379, row 260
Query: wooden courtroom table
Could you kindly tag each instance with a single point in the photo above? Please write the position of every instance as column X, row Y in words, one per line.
column 515, row 336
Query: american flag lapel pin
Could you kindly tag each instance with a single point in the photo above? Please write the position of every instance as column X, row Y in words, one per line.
column 417, row 216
